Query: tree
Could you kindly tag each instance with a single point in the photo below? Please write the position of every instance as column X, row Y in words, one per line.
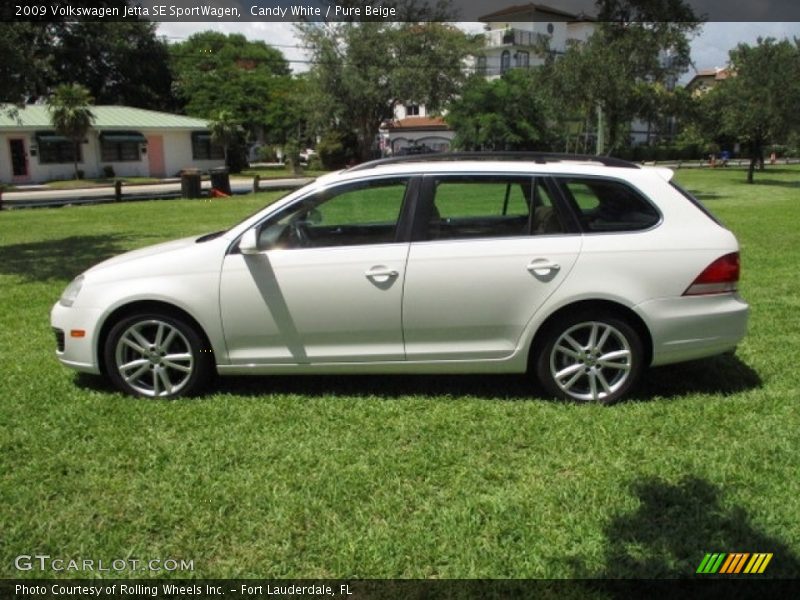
column 71, row 115
column 215, row 72
column 758, row 103
column 25, row 70
column 225, row 131
column 638, row 44
column 118, row 62
column 510, row 113
column 362, row 70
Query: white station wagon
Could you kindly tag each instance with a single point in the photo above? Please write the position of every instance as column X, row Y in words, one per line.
column 581, row 270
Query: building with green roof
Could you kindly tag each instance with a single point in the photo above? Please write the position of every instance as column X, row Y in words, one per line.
column 123, row 141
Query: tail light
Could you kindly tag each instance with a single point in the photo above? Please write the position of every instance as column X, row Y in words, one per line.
column 720, row 277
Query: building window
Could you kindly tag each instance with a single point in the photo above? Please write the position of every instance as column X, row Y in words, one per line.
column 522, row 59
column 481, row 65
column 121, row 146
column 119, row 151
column 56, row 149
column 505, row 61
column 550, row 28
column 204, row 149
column 412, row 110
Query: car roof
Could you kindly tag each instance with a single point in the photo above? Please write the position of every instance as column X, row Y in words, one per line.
column 521, row 163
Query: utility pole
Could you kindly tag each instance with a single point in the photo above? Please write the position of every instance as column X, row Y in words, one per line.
column 601, row 138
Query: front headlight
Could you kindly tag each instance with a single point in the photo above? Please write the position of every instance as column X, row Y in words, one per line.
column 71, row 292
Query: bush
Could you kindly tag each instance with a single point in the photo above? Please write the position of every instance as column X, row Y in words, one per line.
column 108, row 172
column 335, row 149
column 267, row 154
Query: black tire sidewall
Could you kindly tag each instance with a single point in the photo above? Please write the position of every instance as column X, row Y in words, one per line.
column 559, row 326
column 203, row 361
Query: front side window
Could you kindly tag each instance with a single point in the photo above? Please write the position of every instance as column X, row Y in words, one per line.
column 349, row 215
column 491, row 207
column 606, row 205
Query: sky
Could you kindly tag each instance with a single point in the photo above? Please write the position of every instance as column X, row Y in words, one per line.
column 709, row 49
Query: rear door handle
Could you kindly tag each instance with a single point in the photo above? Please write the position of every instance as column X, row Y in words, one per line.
column 542, row 264
column 381, row 271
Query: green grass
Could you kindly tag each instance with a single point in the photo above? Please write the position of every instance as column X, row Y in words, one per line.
column 279, row 172
column 444, row 477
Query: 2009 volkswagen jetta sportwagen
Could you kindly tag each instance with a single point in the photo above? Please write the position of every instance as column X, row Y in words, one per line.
column 583, row 271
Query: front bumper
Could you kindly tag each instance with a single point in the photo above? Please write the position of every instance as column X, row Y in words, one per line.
column 691, row 327
column 78, row 352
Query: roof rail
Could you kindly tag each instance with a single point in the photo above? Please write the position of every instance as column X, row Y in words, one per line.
column 537, row 157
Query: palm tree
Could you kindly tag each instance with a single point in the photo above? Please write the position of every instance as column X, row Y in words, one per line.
column 71, row 116
column 225, row 131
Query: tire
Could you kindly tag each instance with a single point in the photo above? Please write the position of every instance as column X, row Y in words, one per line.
column 157, row 355
column 590, row 357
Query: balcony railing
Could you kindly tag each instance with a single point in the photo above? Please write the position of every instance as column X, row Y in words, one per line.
column 514, row 37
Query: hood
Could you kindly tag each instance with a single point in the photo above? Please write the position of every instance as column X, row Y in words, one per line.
column 178, row 257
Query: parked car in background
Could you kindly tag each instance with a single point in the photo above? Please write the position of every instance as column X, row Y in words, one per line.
column 582, row 271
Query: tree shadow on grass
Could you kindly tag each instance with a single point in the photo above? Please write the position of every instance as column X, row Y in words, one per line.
column 776, row 182
column 704, row 195
column 674, row 527
column 60, row 259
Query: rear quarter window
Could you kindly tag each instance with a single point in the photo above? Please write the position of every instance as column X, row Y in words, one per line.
column 607, row 205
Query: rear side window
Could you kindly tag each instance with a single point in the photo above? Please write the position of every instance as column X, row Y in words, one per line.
column 476, row 206
column 605, row 205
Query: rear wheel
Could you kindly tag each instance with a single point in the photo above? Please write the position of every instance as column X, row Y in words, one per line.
column 590, row 358
column 157, row 356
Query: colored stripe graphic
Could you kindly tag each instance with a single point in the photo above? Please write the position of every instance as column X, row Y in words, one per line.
column 711, row 563
column 734, row 563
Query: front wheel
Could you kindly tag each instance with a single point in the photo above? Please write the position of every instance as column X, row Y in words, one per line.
column 157, row 356
column 590, row 358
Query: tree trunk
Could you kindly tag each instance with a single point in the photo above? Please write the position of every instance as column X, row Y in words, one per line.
column 751, row 169
column 75, row 151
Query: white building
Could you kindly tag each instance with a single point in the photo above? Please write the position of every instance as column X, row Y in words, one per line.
column 124, row 141
column 517, row 36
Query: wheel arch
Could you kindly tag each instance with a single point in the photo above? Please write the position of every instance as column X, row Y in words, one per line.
column 605, row 306
column 140, row 306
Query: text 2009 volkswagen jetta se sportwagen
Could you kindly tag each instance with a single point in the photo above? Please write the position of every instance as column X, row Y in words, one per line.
column 583, row 271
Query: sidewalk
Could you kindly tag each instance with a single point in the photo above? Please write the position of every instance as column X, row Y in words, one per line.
column 168, row 188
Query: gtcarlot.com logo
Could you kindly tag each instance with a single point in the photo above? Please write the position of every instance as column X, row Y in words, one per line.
column 45, row 562
column 734, row 563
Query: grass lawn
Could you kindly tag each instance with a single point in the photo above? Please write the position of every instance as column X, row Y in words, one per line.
column 444, row 477
column 278, row 172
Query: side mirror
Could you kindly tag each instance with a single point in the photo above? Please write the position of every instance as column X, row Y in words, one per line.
column 248, row 244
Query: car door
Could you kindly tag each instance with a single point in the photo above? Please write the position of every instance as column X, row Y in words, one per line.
column 489, row 250
column 327, row 286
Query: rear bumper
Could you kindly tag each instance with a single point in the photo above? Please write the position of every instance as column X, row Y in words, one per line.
column 691, row 327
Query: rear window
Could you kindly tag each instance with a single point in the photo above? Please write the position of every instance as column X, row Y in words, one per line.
column 606, row 205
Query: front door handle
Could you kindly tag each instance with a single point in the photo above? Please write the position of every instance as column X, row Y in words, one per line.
column 542, row 264
column 380, row 272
